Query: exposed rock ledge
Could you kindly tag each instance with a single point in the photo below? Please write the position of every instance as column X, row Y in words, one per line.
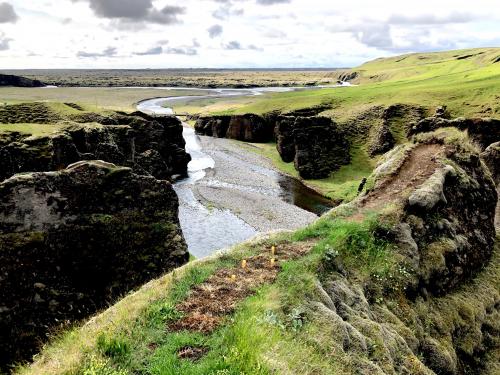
column 248, row 127
column 149, row 145
column 64, row 256
column 314, row 143
column 17, row 81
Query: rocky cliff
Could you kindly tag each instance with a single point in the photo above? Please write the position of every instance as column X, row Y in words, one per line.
column 151, row 145
column 17, row 81
column 402, row 280
column 248, row 127
column 436, row 201
column 74, row 240
column 315, row 144
column 483, row 131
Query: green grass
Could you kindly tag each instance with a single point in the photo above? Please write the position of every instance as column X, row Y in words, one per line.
column 32, row 129
column 270, row 331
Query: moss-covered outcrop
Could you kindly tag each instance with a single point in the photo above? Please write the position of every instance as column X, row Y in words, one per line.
column 483, row 131
column 151, row 145
column 72, row 241
column 247, row 127
column 17, row 81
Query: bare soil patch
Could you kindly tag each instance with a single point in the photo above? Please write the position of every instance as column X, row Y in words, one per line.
column 210, row 302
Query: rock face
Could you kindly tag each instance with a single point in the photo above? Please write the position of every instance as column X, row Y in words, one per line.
column 439, row 311
column 73, row 241
column 491, row 156
column 247, row 128
column 315, row 144
column 484, row 131
column 151, row 145
column 451, row 217
column 16, row 81
column 214, row 126
column 285, row 142
column 382, row 140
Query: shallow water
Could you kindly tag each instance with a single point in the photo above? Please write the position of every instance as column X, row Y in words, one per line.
column 208, row 229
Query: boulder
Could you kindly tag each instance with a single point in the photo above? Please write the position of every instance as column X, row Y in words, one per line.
column 72, row 241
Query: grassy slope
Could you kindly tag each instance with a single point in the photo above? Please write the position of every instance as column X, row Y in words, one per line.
column 267, row 333
column 273, row 331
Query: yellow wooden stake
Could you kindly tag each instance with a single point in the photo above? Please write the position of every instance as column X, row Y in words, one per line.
column 244, row 264
column 273, row 261
column 233, row 278
column 273, row 250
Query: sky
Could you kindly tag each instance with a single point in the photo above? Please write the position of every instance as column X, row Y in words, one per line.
column 235, row 33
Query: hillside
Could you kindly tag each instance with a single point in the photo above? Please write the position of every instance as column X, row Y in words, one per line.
column 399, row 281
column 402, row 277
column 468, row 63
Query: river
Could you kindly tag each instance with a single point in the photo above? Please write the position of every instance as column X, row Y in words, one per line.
column 232, row 194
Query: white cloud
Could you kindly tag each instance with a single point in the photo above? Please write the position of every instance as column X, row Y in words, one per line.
column 226, row 33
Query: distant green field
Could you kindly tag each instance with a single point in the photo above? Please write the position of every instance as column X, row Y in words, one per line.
column 209, row 78
column 468, row 86
column 93, row 99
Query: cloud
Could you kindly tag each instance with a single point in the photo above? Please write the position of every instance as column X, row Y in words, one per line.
column 108, row 52
column 272, row 2
column 431, row 19
column 215, row 31
column 235, row 45
column 227, row 11
column 376, row 35
column 152, row 51
column 188, row 51
column 7, row 13
column 135, row 11
column 4, row 42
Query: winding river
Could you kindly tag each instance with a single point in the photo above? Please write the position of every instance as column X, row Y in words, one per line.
column 232, row 194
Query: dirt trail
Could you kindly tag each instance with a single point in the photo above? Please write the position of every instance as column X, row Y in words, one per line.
column 417, row 168
column 210, row 302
